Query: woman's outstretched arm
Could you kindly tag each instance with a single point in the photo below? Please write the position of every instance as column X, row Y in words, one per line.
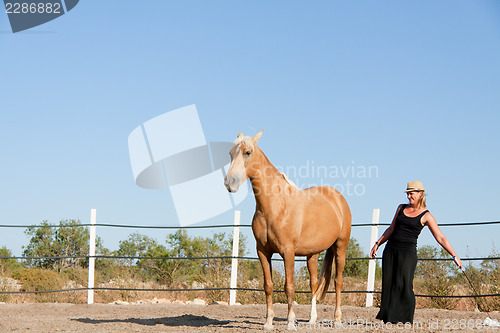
column 430, row 221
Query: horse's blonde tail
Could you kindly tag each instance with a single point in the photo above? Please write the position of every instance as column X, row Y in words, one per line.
column 326, row 275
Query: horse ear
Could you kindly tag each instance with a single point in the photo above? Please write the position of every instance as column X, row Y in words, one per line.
column 257, row 137
column 240, row 135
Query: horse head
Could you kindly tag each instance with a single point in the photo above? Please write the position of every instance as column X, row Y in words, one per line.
column 242, row 155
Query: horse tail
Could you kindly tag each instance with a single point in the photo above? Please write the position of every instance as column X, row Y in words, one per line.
column 326, row 275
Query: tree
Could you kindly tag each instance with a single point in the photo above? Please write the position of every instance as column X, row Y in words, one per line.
column 211, row 271
column 355, row 268
column 69, row 240
column 136, row 245
column 8, row 265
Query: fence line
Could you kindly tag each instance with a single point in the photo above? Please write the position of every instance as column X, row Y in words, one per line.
column 91, row 288
column 106, row 225
column 223, row 257
column 229, row 288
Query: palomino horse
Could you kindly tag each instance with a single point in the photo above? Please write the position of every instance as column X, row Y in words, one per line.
column 292, row 222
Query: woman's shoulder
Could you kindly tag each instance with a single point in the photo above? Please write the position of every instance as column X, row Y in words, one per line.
column 402, row 206
column 426, row 217
column 399, row 209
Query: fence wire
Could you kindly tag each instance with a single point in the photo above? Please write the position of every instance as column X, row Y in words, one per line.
column 226, row 289
column 221, row 257
column 107, row 225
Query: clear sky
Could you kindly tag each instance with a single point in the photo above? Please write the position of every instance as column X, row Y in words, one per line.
column 407, row 89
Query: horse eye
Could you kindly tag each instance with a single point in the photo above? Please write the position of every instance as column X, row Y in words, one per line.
column 248, row 153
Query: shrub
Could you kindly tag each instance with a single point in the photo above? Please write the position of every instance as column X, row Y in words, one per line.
column 491, row 274
column 485, row 280
column 7, row 266
column 436, row 276
column 36, row 279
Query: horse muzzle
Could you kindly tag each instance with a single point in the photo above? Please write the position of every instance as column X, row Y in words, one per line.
column 232, row 184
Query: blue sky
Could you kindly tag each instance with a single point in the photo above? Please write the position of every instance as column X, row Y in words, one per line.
column 411, row 88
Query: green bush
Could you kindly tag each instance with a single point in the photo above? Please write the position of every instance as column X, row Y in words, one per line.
column 37, row 279
column 7, row 266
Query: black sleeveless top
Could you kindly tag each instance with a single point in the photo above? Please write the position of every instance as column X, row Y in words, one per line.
column 406, row 231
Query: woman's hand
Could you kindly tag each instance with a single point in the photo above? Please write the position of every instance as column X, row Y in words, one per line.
column 373, row 252
column 458, row 262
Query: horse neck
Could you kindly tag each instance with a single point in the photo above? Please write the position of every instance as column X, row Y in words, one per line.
column 267, row 182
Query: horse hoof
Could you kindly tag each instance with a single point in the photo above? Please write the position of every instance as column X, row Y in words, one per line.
column 268, row 327
column 291, row 326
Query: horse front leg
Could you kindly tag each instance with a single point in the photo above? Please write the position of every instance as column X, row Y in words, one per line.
column 312, row 266
column 289, row 261
column 265, row 261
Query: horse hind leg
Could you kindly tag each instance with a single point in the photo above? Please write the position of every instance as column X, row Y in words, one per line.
column 265, row 261
column 289, row 261
column 339, row 249
column 312, row 266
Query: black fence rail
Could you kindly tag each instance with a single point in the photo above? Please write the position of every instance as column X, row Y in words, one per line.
column 227, row 289
column 223, row 257
column 107, row 225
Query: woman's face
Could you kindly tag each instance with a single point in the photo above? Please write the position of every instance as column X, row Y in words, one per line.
column 414, row 196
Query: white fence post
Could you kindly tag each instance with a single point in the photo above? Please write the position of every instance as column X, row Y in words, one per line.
column 234, row 263
column 90, row 291
column 370, row 286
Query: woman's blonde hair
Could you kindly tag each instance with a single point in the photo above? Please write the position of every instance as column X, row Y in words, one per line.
column 422, row 200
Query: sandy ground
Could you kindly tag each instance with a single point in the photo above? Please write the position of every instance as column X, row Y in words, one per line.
column 216, row 318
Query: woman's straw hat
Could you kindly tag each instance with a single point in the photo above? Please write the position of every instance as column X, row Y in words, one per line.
column 414, row 186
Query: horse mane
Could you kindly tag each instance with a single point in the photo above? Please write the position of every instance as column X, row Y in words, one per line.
column 246, row 140
column 289, row 181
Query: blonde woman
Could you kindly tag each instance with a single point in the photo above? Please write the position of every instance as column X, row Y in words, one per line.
column 400, row 255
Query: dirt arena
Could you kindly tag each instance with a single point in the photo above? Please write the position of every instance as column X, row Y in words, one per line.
column 216, row 318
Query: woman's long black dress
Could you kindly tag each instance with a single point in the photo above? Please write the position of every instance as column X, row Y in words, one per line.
column 398, row 267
